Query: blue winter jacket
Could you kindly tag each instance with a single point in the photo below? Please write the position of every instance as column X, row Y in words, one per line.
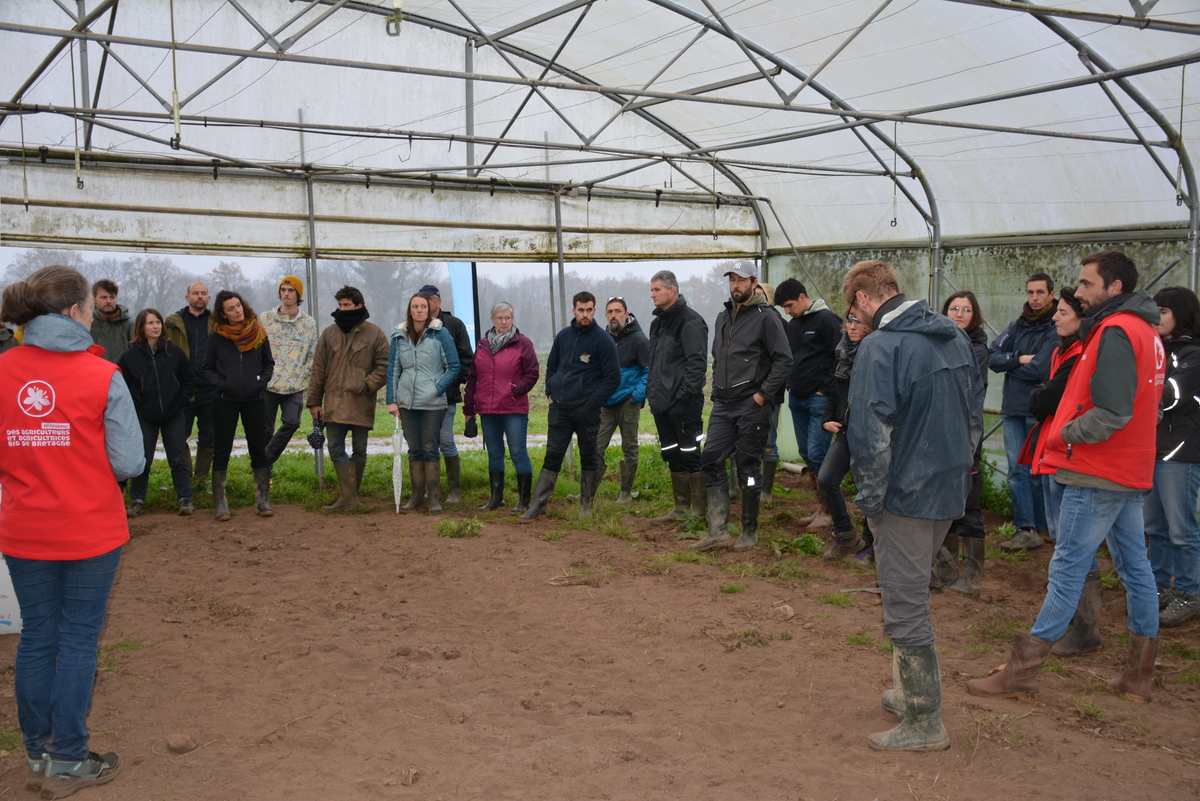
column 916, row 414
column 582, row 367
column 633, row 355
column 1022, row 338
column 419, row 373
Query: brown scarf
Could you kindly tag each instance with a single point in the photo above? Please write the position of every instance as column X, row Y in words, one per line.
column 247, row 334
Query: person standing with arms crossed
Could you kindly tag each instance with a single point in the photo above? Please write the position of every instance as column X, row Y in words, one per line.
column 189, row 329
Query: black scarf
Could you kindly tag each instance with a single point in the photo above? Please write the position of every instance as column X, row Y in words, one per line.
column 845, row 352
column 346, row 319
column 1034, row 317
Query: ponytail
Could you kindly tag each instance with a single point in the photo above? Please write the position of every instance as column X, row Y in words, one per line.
column 50, row 290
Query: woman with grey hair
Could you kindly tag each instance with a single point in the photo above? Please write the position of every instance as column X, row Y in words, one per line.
column 498, row 384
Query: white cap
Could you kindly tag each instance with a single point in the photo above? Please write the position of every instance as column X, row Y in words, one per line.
column 743, row 268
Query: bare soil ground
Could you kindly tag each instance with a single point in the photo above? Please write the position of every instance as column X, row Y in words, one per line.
column 318, row 656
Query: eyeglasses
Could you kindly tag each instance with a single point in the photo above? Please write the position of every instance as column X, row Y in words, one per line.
column 852, row 319
column 503, row 319
column 963, row 309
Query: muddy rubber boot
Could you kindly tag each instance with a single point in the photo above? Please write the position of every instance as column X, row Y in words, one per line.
column 433, row 485
column 945, row 568
column 359, row 468
column 970, row 577
column 541, row 496
column 524, row 488
column 804, row 522
column 496, row 482
column 920, row 726
column 679, row 488
column 416, row 480
column 749, row 537
column 718, row 522
column 628, row 472
column 821, row 519
column 348, row 493
column 697, row 494
column 1135, row 683
column 135, row 509
column 66, row 776
column 1084, row 637
column 893, row 700
column 220, row 504
column 846, row 543
column 262, row 492
column 1018, row 678
column 186, row 507
column 588, row 481
column 735, row 483
column 204, row 457
column 453, row 479
column 768, row 488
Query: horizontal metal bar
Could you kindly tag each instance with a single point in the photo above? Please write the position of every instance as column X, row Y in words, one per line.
column 540, row 18
column 1142, row 23
column 708, row 87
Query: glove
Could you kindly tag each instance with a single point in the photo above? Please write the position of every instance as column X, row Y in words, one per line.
column 471, row 430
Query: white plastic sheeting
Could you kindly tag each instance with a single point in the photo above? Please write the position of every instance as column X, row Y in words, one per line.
column 988, row 173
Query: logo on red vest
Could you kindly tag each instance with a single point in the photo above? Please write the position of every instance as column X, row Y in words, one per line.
column 36, row 398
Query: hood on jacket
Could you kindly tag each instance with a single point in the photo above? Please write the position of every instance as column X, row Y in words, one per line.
column 402, row 328
column 1139, row 303
column 57, row 333
column 631, row 326
column 915, row 316
column 817, row 305
column 122, row 316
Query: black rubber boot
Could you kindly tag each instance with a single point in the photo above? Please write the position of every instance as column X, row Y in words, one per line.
column 453, row 479
column 970, row 577
column 628, row 473
column 698, row 493
column 220, row 504
column 524, row 488
column 433, row 485
column 1084, row 637
column 718, row 522
column 588, row 481
column 416, row 478
column 749, row 537
column 262, row 492
column 496, row 482
column 359, row 468
column 204, row 457
column 920, row 726
column 541, row 496
column 680, row 489
column 768, row 487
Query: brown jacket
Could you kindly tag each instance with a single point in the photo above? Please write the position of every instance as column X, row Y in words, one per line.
column 347, row 374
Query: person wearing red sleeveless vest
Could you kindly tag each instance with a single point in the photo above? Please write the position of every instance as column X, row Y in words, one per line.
column 1101, row 445
column 70, row 435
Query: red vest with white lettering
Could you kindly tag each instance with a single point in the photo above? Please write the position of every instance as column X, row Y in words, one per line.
column 1127, row 457
column 60, row 500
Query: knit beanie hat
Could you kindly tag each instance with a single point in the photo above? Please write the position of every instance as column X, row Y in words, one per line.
column 295, row 283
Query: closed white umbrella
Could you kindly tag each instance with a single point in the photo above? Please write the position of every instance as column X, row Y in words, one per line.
column 397, row 465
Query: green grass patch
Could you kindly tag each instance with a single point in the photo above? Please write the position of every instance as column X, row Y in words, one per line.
column 785, row 635
column 783, row 570
column 886, row 646
column 458, row 529
column 618, row 530
column 841, row 599
column 1005, row 531
column 995, row 628
column 1110, row 580
column 662, row 563
column 106, row 661
column 859, row 639
column 551, row 536
column 1088, row 709
column 1189, row 676
column 1012, row 557
column 1176, row 648
column 731, row 589
column 755, row 638
column 1057, row 668
column 11, row 738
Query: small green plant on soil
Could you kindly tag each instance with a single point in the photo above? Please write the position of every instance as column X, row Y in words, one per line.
column 1002, row 730
column 842, row 599
column 976, row 647
column 617, row 530
column 1110, row 580
column 995, row 628
column 733, row 588
column 784, row 570
column 1005, row 531
column 11, row 738
column 785, row 635
column 1176, row 648
column 861, row 638
column 886, row 646
column 1088, row 709
column 809, row 545
column 1057, row 668
column 1012, row 557
column 106, row 661
column 662, row 563
column 755, row 637
column 551, row 536
column 458, row 529
column 692, row 529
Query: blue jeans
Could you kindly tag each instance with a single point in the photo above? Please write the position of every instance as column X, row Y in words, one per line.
column 63, row 606
column 1052, row 491
column 513, row 427
column 335, row 439
column 812, row 440
column 446, row 442
column 1169, row 512
column 422, row 431
column 1088, row 518
column 1029, row 510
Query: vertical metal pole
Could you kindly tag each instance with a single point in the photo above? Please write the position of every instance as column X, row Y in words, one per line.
column 935, row 263
column 1194, row 246
column 562, row 296
column 553, row 322
column 318, row 454
column 81, row 6
column 469, row 67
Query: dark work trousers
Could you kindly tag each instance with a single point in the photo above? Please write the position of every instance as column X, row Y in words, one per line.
column 199, row 412
column 174, row 437
column 582, row 421
column 833, row 471
column 680, row 432
column 971, row 523
column 624, row 415
column 254, row 423
column 291, row 406
column 738, row 430
column 904, row 549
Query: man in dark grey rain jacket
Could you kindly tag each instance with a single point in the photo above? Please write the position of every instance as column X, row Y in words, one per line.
column 675, row 391
column 916, row 415
column 112, row 327
column 751, row 363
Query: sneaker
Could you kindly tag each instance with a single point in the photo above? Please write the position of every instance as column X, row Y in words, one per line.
column 64, row 777
column 36, row 773
column 1181, row 610
column 135, row 509
column 1165, row 596
column 186, row 508
column 866, row 555
column 843, row 545
column 1026, row 539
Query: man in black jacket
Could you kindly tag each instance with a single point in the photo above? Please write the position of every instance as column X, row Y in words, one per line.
column 675, row 391
column 581, row 373
column 189, row 329
column 462, row 343
column 751, row 362
column 813, row 335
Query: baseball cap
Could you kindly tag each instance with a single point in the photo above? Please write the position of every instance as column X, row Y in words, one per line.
column 430, row 289
column 743, row 268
